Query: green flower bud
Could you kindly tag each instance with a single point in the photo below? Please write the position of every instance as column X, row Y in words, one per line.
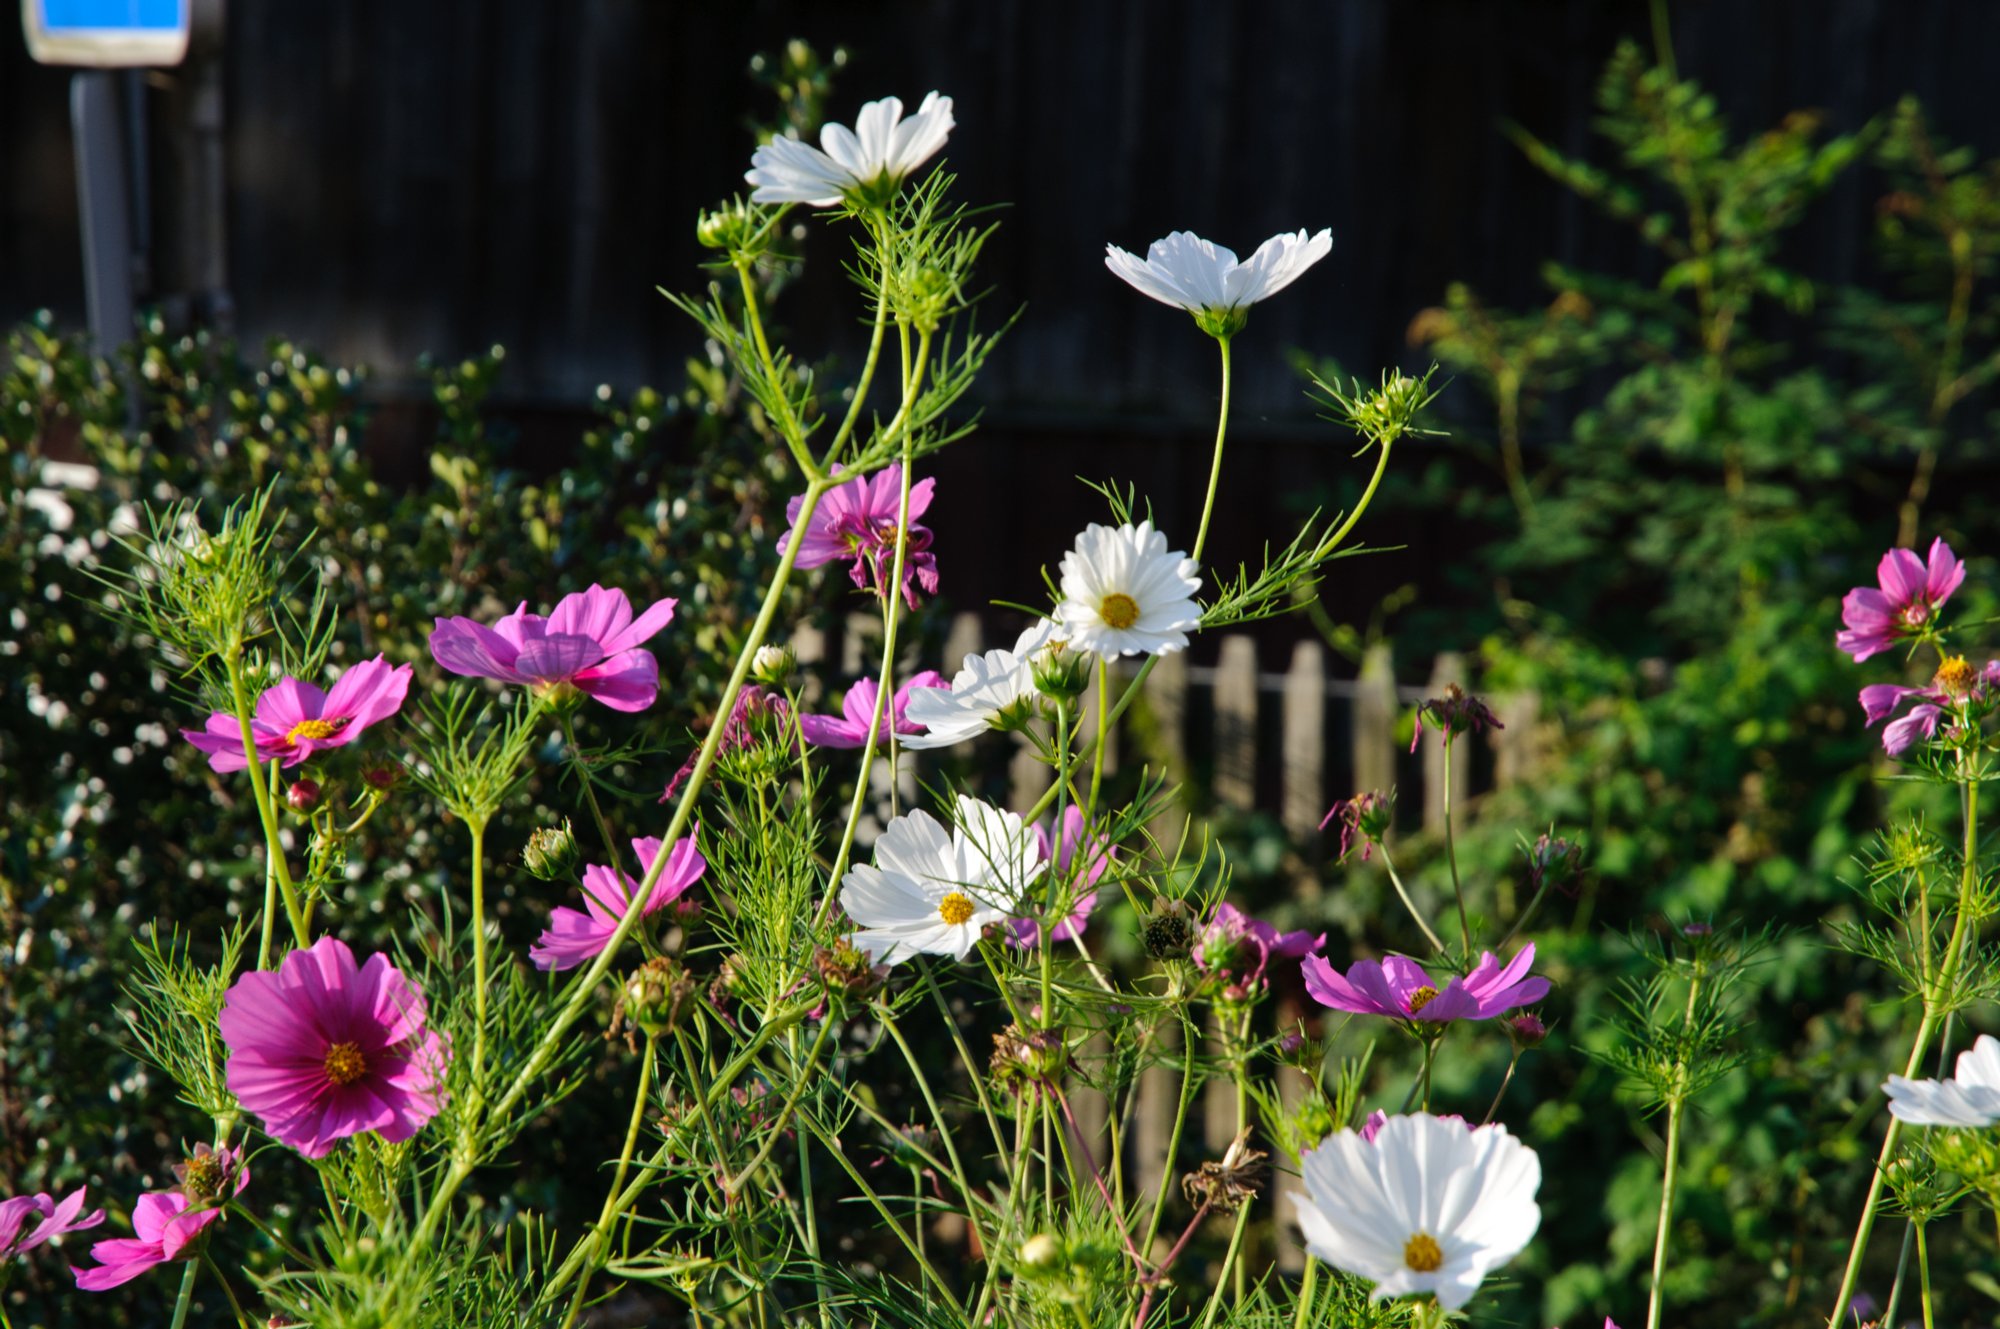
column 551, row 853
column 1060, row 672
column 774, row 666
column 657, row 994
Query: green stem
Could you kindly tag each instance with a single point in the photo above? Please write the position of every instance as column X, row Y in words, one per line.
column 601, row 1236
column 839, row 1156
column 1215, row 465
column 229, row 1293
column 937, row 1115
column 269, row 918
column 589, row 789
column 1173, row 1137
column 788, row 424
column 1229, row 1261
column 1451, row 854
column 1409, row 904
column 1304, row 1314
column 1667, row 1180
column 479, row 956
column 1924, row 1275
column 186, row 1296
column 267, row 813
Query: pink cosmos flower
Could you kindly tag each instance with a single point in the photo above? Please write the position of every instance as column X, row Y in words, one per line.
column 1955, row 684
column 295, row 720
column 321, row 1049
column 1400, row 989
column 1239, row 947
column 1027, row 932
column 589, row 641
column 850, row 728
column 1910, row 595
column 56, row 1217
column 166, row 1224
column 858, row 521
column 574, row 936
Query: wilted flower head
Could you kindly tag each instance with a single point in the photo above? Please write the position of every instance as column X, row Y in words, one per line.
column 1028, row 1059
column 862, row 165
column 1366, row 817
column 847, row 970
column 1906, row 603
column 1209, row 282
column 1226, row 1185
column 1456, row 712
column 849, row 729
column 590, row 642
column 655, row 995
column 210, row 1174
column 295, row 720
column 321, row 1048
column 858, row 521
column 53, row 1218
column 1168, row 931
column 758, row 712
column 1427, row 1206
column 1237, row 948
column 1400, row 989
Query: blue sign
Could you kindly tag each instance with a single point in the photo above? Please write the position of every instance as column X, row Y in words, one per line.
column 106, row 34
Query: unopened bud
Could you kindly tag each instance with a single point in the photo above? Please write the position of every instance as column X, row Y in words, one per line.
column 1040, row 1253
column 381, row 775
column 1527, row 1030
column 1061, row 673
column 736, row 227
column 303, row 796
column 551, row 853
column 657, row 993
column 773, row 666
column 1555, row 861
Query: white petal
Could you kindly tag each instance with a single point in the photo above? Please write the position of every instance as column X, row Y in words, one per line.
column 1276, row 265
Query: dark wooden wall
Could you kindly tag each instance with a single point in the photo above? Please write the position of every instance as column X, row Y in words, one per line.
column 438, row 175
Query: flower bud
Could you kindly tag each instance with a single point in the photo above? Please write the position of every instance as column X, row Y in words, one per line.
column 1526, row 1030
column 1060, row 672
column 848, row 971
column 1168, row 930
column 1040, row 1253
column 1556, row 862
column 551, row 853
column 303, row 796
column 657, row 994
column 774, row 666
column 736, row 227
column 381, row 774
column 1025, row 1059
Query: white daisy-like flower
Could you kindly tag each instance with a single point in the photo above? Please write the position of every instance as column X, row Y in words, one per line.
column 1429, row 1206
column 1207, row 280
column 1971, row 1098
column 881, row 149
column 1126, row 593
column 931, row 890
column 991, row 691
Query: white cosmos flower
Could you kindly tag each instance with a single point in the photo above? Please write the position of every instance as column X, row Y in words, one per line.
column 1126, row 593
column 1970, row 1098
column 990, row 691
column 1428, row 1207
column 931, row 890
column 882, row 146
column 1205, row 278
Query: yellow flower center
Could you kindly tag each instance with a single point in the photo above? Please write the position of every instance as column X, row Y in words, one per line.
column 345, row 1064
column 1419, row 999
column 1118, row 610
column 954, row 909
column 1955, row 676
column 1422, row 1253
column 313, row 729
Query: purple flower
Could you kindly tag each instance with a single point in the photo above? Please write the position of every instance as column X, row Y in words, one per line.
column 756, row 709
column 295, row 720
column 858, row 521
column 1027, row 932
column 56, row 1218
column 1910, row 595
column 1956, row 683
column 590, row 641
column 321, row 1049
column 1400, row 989
column 574, row 936
column 1237, row 947
column 165, row 1222
column 850, row 728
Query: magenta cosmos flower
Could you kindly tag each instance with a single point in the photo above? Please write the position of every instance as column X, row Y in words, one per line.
column 574, row 936
column 55, row 1217
column 1909, row 596
column 849, row 729
column 295, row 720
column 165, row 1224
column 1955, row 684
column 1400, row 989
column 321, row 1049
column 857, row 521
column 589, row 641
column 1239, row 948
column 1027, row 932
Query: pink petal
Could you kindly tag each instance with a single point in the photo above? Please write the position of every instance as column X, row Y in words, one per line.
column 558, row 657
column 371, row 691
column 1944, row 573
column 643, row 629
column 628, row 681
column 288, row 702
column 474, row 650
column 1902, row 577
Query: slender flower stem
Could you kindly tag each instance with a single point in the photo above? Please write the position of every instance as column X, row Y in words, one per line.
column 1173, row 1137
column 958, row 1172
column 868, row 1193
column 1215, row 465
column 186, row 1296
column 269, row 918
column 1304, row 1315
column 1229, row 1261
column 1403, row 894
column 788, row 424
column 600, row 1237
column 479, row 956
column 575, row 754
column 274, row 845
column 1924, row 1275
column 1667, row 1179
column 1505, row 1080
column 229, row 1293
column 1451, row 853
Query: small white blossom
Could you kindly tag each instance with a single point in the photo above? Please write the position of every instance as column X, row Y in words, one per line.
column 1970, row 1098
column 1429, row 1206
column 990, row 691
column 1126, row 593
column 930, row 890
column 1204, row 278
column 882, row 147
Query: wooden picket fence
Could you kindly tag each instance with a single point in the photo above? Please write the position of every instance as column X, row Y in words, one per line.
column 1213, row 719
